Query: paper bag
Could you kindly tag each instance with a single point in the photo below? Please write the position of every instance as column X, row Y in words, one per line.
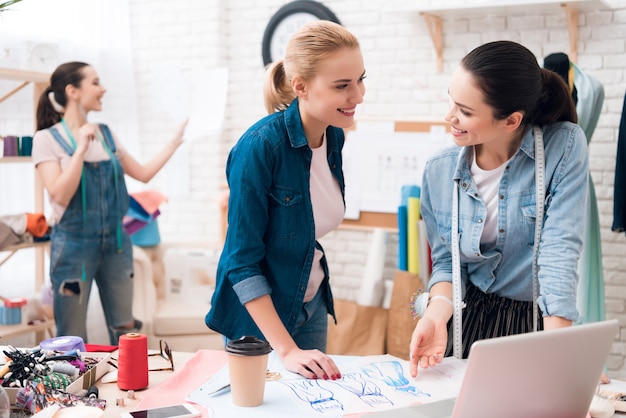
column 400, row 324
column 360, row 330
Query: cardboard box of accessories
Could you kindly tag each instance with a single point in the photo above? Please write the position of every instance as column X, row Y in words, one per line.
column 86, row 380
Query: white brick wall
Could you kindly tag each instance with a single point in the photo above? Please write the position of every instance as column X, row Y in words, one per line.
column 402, row 83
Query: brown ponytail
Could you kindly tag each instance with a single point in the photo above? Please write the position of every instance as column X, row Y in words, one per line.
column 65, row 74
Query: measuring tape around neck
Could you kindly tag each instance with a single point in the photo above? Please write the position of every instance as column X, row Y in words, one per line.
column 540, row 187
column 457, row 296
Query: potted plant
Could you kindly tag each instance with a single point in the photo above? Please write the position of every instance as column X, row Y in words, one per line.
column 5, row 5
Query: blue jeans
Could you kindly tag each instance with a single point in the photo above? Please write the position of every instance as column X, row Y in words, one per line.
column 311, row 330
column 112, row 271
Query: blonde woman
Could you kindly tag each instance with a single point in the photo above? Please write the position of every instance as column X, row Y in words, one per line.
column 286, row 192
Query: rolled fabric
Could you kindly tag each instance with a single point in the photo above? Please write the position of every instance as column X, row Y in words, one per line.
column 36, row 224
column 17, row 222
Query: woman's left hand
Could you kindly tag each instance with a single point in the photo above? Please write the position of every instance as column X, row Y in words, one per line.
column 312, row 364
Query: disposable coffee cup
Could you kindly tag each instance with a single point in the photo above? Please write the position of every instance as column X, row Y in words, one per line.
column 247, row 367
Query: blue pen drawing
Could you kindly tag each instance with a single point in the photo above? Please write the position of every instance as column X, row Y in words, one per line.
column 367, row 390
column 321, row 399
column 365, row 384
column 392, row 374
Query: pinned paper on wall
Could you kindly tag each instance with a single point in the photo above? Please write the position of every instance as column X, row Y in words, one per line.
column 382, row 160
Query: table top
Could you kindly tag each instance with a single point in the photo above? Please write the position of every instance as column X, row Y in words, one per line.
column 112, row 394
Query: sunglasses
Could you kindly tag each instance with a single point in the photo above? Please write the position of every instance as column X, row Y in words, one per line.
column 164, row 352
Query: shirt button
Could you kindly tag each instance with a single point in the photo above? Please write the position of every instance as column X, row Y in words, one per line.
column 287, row 199
column 502, row 231
column 480, row 221
column 501, row 196
column 476, row 254
column 475, row 194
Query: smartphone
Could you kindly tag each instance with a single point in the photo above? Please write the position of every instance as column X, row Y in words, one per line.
column 174, row 411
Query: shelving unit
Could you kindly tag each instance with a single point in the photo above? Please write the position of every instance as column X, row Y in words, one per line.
column 40, row 82
column 433, row 16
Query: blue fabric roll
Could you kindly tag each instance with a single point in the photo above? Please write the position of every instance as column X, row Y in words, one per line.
column 64, row 344
column 403, row 217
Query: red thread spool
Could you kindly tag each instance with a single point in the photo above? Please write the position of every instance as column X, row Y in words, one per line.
column 132, row 365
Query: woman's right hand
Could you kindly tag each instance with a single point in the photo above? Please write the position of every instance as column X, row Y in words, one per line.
column 86, row 133
column 428, row 344
column 312, row 364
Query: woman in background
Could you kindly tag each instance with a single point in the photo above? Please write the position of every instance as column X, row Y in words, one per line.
column 286, row 192
column 501, row 100
column 82, row 166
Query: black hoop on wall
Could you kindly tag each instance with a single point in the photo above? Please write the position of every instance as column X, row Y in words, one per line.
column 287, row 20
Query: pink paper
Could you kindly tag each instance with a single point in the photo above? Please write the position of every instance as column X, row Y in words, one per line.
column 193, row 374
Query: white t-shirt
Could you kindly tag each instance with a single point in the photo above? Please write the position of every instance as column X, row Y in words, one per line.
column 488, row 184
column 328, row 210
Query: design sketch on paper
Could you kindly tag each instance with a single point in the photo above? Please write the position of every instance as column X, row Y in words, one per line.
column 448, row 370
column 364, row 384
column 320, row 399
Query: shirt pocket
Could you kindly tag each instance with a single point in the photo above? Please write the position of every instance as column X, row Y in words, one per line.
column 529, row 219
column 286, row 212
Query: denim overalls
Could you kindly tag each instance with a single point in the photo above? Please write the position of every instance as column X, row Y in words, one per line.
column 89, row 243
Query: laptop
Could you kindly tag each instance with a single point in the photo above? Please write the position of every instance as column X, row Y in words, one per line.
column 539, row 374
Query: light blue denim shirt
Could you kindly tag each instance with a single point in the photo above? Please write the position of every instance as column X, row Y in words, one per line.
column 506, row 268
column 270, row 240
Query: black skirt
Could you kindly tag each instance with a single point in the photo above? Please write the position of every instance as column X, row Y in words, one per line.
column 487, row 315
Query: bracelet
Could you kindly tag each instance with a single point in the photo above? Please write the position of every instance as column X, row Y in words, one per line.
column 442, row 297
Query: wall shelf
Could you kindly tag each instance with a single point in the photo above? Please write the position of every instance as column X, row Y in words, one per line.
column 433, row 16
column 40, row 82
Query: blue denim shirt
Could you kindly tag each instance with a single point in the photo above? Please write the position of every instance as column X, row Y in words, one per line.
column 506, row 268
column 271, row 232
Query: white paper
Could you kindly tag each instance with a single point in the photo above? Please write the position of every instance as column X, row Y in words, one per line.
column 199, row 96
column 370, row 383
column 176, row 174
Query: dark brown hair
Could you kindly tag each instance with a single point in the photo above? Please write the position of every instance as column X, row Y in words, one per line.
column 511, row 80
column 65, row 74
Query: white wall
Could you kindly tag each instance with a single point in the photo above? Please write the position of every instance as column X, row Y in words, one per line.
column 402, row 83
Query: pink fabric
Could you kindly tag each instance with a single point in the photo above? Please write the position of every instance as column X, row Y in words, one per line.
column 149, row 200
column 196, row 371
